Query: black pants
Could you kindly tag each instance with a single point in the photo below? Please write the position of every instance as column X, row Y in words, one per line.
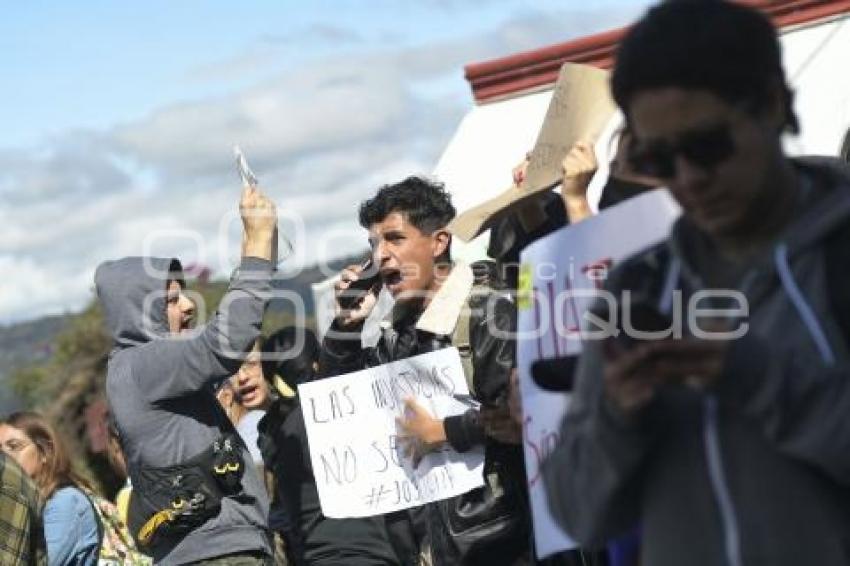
column 407, row 530
column 256, row 558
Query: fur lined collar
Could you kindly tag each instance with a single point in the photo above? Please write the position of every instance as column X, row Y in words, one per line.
column 440, row 317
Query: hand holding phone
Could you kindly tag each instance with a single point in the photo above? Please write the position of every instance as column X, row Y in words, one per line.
column 643, row 318
column 368, row 280
column 356, row 293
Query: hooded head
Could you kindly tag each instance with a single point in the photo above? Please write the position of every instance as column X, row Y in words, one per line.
column 133, row 293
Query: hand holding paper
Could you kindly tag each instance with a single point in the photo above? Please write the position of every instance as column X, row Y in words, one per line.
column 579, row 166
column 520, row 169
column 353, row 427
column 259, row 223
column 420, row 432
column 250, row 185
column 579, row 110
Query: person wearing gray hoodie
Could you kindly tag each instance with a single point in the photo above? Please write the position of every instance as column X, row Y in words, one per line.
column 730, row 444
column 158, row 389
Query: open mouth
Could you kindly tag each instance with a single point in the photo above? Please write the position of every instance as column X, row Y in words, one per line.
column 247, row 392
column 391, row 277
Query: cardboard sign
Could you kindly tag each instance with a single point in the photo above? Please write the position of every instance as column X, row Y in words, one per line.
column 358, row 458
column 560, row 275
column 579, row 110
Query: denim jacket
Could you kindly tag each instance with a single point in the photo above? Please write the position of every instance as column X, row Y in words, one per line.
column 70, row 528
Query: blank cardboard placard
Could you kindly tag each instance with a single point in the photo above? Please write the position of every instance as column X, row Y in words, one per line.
column 579, row 110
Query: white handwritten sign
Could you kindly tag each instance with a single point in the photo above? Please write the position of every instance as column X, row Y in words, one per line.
column 358, row 459
column 559, row 277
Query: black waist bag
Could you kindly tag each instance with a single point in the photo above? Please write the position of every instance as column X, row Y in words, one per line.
column 169, row 501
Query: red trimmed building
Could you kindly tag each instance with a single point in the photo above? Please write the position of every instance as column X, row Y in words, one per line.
column 533, row 70
column 512, row 93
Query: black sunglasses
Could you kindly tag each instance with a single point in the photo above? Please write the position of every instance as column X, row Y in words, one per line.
column 704, row 148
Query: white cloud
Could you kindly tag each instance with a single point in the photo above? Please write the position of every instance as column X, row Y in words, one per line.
column 317, row 33
column 321, row 138
column 28, row 290
column 278, row 122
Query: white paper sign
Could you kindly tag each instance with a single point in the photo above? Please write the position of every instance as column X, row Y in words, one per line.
column 559, row 276
column 358, row 460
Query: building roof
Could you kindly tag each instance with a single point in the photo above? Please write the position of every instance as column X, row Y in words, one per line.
column 534, row 70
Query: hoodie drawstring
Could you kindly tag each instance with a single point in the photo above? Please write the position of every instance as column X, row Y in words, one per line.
column 665, row 303
column 803, row 308
column 717, row 477
column 711, row 441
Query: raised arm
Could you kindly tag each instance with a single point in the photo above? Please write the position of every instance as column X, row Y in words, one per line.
column 579, row 166
column 180, row 366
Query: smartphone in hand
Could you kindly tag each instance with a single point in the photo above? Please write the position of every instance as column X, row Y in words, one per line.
column 643, row 317
column 369, row 281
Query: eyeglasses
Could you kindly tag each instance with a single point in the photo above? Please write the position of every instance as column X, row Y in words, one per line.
column 15, row 446
column 706, row 149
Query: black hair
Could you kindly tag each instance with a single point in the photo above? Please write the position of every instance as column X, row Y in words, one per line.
column 175, row 272
column 426, row 204
column 298, row 367
column 727, row 49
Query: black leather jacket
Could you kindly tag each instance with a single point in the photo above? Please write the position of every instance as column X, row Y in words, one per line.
column 312, row 538
column 493, row 358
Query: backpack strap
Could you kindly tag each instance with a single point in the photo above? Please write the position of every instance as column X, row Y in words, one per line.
column 460, row 337
column 91, row 497
column 486, row 282
column 460, row 340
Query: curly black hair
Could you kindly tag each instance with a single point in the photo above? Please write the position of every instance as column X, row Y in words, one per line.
column 297, row 368
column 426, row 204
column 728, row 49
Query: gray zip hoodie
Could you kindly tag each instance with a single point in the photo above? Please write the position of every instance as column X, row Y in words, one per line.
column 753, row 472
column 158, row 391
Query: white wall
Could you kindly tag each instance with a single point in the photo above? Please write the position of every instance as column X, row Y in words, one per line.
column 816, row 62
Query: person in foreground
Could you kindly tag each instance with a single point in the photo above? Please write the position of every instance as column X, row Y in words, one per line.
column 192, row 498
column 439, row 303
column 731, row 444
column 21, row 534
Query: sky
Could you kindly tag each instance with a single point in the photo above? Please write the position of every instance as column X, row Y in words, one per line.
column 118, row 121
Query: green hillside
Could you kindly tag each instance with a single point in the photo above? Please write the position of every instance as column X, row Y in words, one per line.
column 57, row 365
